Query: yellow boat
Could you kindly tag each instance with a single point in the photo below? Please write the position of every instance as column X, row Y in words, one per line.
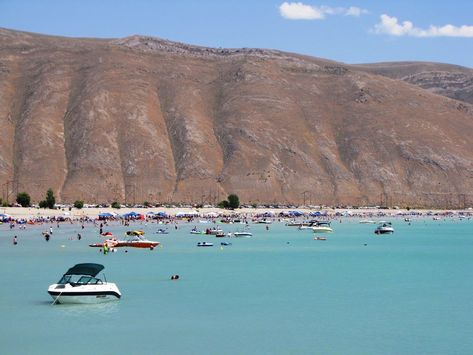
column 137, row 232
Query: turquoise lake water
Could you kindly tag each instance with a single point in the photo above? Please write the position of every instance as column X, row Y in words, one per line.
column 279, row 292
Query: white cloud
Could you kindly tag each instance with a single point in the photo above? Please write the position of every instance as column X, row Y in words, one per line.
column 300, row 11
column 390, row 25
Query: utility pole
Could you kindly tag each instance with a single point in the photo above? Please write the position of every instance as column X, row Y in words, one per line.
column 304, row 195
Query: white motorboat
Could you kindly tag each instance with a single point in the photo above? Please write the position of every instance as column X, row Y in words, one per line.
column 242, row 234
column 80, row 285
column 205, row 244
column 322, row 227
column 367, row 221
column 384, row 228
column 214, row 231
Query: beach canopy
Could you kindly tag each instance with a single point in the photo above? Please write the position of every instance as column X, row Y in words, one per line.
column 317, row 214
column 107, row 214
column 4, row 217
column 132, row 214
column 211, row 214
column 187, row 214
column 296, row 213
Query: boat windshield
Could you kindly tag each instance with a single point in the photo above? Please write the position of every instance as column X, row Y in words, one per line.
column 79, row 280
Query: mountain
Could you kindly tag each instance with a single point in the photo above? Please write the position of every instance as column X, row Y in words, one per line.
column 141, row 118
column 449, row 80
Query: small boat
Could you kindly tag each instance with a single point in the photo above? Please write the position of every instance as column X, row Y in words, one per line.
column 367, row 221
column 162, row 231
column 135, row 232
column 322, row 227
column 205, row 244
column 213, row 231
column 384, row 228
column 196, row 231
column 242, row 234
column 264, row 221
column 107, row 234
column 225, row 243
column 137, row 241
column 132, row 241
column 80, row 285
column 320, row 238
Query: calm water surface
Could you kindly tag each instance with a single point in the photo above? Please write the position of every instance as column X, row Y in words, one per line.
column 279, row 292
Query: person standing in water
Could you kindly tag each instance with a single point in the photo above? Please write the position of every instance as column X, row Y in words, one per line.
column 15, row 240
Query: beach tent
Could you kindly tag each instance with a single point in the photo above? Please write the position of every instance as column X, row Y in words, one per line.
column 296, row 213
column 4, row 217
column 211, row 214
column 187, row 214
column 133, row 215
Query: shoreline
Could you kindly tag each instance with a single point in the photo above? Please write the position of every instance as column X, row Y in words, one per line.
column 30, row 212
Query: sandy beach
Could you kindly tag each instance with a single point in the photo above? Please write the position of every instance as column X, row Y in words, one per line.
column 20, row 212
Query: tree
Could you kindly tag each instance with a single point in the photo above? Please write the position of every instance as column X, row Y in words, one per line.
column 223, row 204
column 79, row 204
column 115, row 204
column 49, row 201
column 23, row 199
column 233, row 201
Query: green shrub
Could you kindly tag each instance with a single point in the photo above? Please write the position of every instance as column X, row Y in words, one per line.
column 23, row 199
column 79, row 204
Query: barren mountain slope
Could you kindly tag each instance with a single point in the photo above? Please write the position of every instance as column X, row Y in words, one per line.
column 140, row 119
column 449, row 80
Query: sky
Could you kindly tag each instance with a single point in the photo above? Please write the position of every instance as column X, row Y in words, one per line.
column 355, row 31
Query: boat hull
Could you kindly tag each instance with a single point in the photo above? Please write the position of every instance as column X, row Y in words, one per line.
column 86, row 294
column 74, row 298
column 322, row 229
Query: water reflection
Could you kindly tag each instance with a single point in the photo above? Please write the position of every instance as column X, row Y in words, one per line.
column 74, row 310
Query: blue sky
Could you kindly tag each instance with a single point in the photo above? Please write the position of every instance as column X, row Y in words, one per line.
column 347, row 31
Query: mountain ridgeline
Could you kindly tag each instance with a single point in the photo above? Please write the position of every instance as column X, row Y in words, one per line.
column 144, row 119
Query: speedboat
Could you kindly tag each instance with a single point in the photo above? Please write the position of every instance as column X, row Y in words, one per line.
column 135, row 233
column 384, row 228
column 132, row 241
column 322, row 227
column 80, row 285
column 205, row 244
column 214, row 231
column 196, row 231
column 320, row 238
column 137, row 241
column 242, row 234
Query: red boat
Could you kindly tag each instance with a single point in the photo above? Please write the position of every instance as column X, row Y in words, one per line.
column 132, row 241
